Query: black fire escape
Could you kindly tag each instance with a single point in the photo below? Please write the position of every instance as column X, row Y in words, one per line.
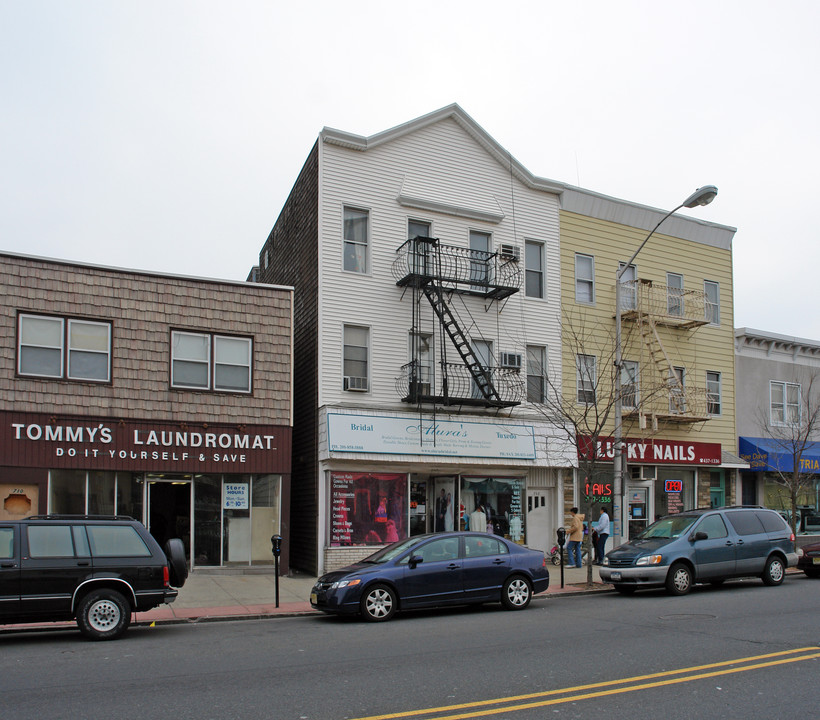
column 438, row 272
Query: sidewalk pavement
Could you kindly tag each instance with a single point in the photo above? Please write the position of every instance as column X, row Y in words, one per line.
column 213, row 594
column 224, row 594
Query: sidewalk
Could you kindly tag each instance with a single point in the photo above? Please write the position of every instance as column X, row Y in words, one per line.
column 220, row 594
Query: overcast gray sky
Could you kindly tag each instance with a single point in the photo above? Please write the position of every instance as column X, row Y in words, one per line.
column 166, row 135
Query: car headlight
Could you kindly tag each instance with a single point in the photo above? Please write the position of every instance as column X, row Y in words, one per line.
column 650, row 560
column 606, row 560
column 345, row 583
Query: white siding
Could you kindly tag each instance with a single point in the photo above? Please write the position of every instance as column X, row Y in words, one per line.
column 440, row 161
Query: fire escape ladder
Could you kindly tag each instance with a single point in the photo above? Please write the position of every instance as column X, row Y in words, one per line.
column 479, row 372
column 660, row 358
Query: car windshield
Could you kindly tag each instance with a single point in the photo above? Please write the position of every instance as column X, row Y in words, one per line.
column 668, row 527
column 392, row 551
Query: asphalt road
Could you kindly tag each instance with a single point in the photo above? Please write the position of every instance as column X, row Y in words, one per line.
column 738, row 651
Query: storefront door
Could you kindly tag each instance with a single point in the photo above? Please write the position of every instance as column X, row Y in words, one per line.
column 169, row 509
column 639, row 510
column 539, row 532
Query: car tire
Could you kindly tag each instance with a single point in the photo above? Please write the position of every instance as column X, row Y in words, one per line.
column 177, row 562
column 103, row 615
column 516, row 593
column 679, row 580
column 379, row 603
column 774, row 572
column 624, row 589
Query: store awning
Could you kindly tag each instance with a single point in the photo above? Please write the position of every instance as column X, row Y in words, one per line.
column 770, row 455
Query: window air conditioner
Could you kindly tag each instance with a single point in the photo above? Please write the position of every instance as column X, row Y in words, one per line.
column 356, row 384
column 510, row 252
column 511, row 360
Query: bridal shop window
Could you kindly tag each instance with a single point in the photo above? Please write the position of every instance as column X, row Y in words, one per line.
column 493, row 505
column 367, row 508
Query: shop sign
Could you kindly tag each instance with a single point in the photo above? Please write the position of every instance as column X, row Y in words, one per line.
column 405, row 436
column 598, row 492
column 652, row 451
column 50, row 441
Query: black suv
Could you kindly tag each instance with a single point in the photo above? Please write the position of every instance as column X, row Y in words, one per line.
column 95, row 569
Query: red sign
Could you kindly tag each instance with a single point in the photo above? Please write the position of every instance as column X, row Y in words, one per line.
column 93, row 443
column 652, row 451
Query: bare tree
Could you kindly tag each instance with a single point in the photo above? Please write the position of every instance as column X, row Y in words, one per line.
column 791, row 426
column 585, row 412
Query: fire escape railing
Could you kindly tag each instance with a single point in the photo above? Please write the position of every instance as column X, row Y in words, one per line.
column 453, row 384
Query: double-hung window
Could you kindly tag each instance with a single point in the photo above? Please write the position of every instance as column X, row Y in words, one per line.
column 421, row 363
column 712, row 392
column 585, row 379
column 628, row 286
column 584, row 279
column 677, row 390
column 536, row 374
column 355, row 358
column 674, row 294
column 56, row 347
column 480, row 254
column 629, row 384
column 355, row 240
column 784, row 403
column 711, row 292
column 205, row 361
column 534, row 275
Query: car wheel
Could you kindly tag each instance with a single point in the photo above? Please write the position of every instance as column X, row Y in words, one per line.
column 625, row 589
column 177, row 562
column 812, row 573
column 379, row 603
column 103, row 615
column 516, row 593
column 679, row 579
column 774, row 572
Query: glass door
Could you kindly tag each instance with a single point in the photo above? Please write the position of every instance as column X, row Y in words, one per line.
column 169, row 508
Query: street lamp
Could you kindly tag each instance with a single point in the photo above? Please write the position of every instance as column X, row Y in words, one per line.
column 701, row 196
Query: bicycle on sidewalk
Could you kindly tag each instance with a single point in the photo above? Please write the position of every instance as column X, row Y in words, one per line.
column 555, row 556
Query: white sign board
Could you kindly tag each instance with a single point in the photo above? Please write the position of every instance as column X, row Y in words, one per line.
column 409, row 436
column 235, row 496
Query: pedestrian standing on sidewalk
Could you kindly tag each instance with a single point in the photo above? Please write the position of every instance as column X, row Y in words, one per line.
column 576, row 535
column 602, row 528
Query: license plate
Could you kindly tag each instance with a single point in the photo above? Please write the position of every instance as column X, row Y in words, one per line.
column 616, row 576
column 313, row 598
column 815, row 561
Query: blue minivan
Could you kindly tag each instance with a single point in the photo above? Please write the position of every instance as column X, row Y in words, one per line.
column 703, row 546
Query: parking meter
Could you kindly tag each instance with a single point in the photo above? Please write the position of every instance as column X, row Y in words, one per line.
column 276, row 549
column 562, row 537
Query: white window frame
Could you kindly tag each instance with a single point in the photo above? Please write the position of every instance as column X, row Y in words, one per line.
column 630, row 384
column 210, row 362
column 586, row 377
column 537, row 372
column 64, row 348
column 629, row 286
column 587, row 282
column 355, row 249
column 674, row 295
column 538, row 273
column 787, row 409
column 677, row 407
column 417, row 342
column 358, row 382
column 711, row 308
column 481, row 247
column 714, row 393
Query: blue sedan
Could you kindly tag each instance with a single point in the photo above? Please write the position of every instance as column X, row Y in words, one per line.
column 454, row 568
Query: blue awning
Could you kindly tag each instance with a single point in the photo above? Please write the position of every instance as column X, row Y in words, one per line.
column 770, row 455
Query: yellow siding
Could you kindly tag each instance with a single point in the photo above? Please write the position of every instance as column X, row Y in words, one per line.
column 704, row 348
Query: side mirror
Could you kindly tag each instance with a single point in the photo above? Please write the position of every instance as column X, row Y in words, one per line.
column 415, row 560
column 700, row 535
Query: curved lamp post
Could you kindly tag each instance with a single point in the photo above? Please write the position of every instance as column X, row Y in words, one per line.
column 701, row 196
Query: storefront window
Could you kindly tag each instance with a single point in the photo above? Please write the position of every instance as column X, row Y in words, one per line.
column 101, row 493
column 777, row 497
column 264, row 516
column 674, row 491
column 494, row 505
column 367, row 508
column 236, row 519
column 66, row 492
column 207, row 525
column 129, row 495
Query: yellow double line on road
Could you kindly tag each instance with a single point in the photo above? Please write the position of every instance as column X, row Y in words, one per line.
column 602, row 689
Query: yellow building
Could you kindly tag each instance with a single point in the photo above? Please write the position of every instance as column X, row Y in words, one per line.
column 677, row 369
